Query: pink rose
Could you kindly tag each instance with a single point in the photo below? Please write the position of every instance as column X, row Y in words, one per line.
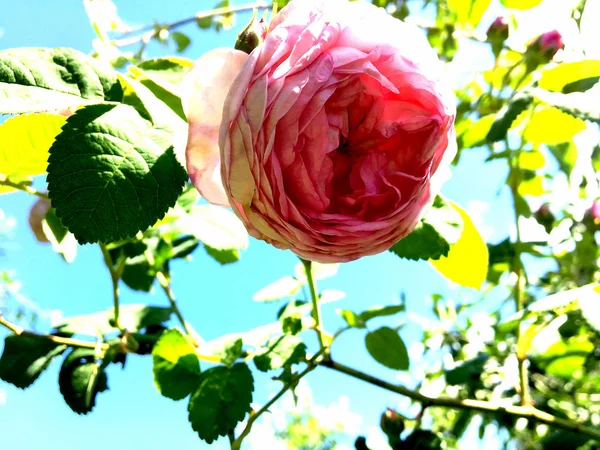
column 336, row 134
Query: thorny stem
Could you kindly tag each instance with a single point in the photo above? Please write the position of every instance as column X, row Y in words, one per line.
column 150, row 31
column 19, row 331
column 311, row 365
column 115, row 276
column 316, row 307
column 525, row 411
column 4, row 181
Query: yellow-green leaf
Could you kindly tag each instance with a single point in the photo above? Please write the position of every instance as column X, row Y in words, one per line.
column 531, row 160
column 475, row 135
column 533, row 187
column 550, row 125
column 467, row 261
column 24, row 144
column 556, row 78
column 520, row 4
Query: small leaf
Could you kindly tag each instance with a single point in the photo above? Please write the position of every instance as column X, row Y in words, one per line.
column 24, row 144
column 467, row 260
column 468, row 372
column 44, row 79
column 221, row 401
column 170, row 69
column 176, row 366
column 351, row 318
column 231, row 351
column 279, row 352
column 80, row 379
column 387, row 348
column 111, row 174
column 507, row 115
column 520, row 4
column 182, row 41
column 380, row 311
column 284, row 287
column 431, row 238
column 25, row 358
column 475, row 135
column 223, row 257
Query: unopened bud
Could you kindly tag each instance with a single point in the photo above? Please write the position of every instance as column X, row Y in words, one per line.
column 591, row 218
column 497, row 33
column 252, row 36
column 543, row 48
column 545, row 217
column 392, row 424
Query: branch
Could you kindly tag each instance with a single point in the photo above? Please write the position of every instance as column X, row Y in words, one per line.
column 311, row 365
column 19, row 331
column 150, row 31
column 4, row 181
column 526, row 411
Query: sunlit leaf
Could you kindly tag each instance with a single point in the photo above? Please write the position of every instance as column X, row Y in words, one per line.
column 551, row 126
column 279, row 289
column 520, row 4
column 467, row 260
column 557, row 78
column 24, row 144
column 175, row 365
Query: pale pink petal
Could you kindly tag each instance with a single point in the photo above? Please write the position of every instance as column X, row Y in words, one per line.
column 203, row 96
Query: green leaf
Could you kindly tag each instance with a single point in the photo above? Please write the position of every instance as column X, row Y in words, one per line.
column 230, row 351
column 280, row 351
column 182, row 41
column 570, row 74
column 351, row 318
column 216, row 227
column 387, row 348
column 520, row 4
column 111, row 174
column 44, row 79
column 221, row 401
column 163, row 90
column 223, row 256
column 507, row 115
column 432, row 237
column 24, row 358
column 551, row 126
column 63, row 242
column 562, row 440
column 171, row 69
column 176, row 366
column 564, row 358
column 80, row 379
column 468, row 372
column 475, row 135
column 380, row 311
column 131, row 317
column 284, row 287
column 467, row 261
column 24, row 144
column 291, row 325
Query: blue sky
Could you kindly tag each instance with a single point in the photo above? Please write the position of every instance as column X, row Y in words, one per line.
column 215, row 299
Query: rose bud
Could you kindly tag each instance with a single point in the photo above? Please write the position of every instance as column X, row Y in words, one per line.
column 545, row 217
column 252, row 36
column 392, row 424
column 543, row 48
column 591, row 218
column 497, row 33
column 335, row 135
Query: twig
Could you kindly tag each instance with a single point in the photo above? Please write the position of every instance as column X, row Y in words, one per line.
column 19, row 331
column 4, row 181
column 165, row 283
column 316, row 307
column 527, row 411
column 311, row 365
column 150, row 31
